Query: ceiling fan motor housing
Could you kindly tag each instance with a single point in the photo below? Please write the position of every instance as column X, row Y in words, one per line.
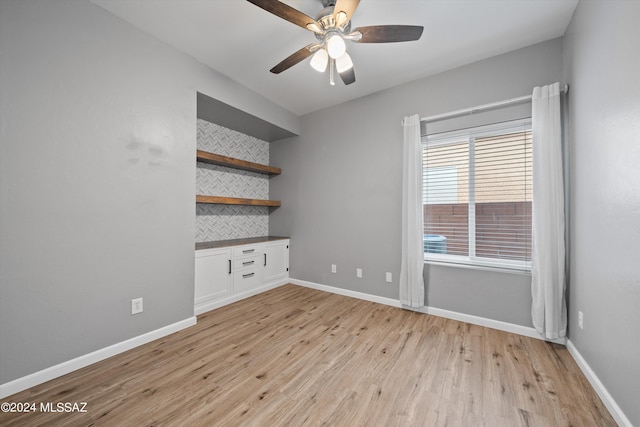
column 328, row 21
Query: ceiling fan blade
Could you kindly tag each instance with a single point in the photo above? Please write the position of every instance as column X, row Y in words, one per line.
column 343, row 11
column 295, row 57
column 388, row 33
column 348, row 76
column 288, row 13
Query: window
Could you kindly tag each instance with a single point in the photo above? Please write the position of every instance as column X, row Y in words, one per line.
column 477, row 194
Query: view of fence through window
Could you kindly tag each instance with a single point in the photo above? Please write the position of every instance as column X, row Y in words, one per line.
column 487, row 179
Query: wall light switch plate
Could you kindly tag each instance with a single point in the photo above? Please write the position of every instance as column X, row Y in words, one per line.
column 136, row 306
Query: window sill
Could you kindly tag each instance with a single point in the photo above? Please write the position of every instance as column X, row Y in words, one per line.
column 509, row 270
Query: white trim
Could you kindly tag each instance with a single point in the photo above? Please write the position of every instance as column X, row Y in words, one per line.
column 471, row 203
column 476, row 261
column 23, row 383
column 20, row 384
column 468, row 137
column 462, row 317
column 230, row 299
column 513, row 328
column 470, row 266
column 346, row 292
column 481, row 131
column 597, row 385
column 31, row 380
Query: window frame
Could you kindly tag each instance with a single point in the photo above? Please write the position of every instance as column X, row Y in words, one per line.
column 469, row 135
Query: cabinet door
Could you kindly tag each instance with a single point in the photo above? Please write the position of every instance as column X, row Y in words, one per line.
column 213, row 274
column 276, row 260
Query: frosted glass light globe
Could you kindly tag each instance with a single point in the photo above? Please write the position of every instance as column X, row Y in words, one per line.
column 319, row 60
column 336, row 46
column 344, row 63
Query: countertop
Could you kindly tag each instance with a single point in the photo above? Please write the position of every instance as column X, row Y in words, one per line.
column 236, row 242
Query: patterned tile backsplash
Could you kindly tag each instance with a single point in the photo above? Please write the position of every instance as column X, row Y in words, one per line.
column 222, row 222
column 227, row 142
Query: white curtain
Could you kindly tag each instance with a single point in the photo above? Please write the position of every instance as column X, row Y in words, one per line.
column 549, row 312
column 411, row 280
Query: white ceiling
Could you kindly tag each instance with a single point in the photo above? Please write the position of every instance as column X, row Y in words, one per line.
column 243, row 42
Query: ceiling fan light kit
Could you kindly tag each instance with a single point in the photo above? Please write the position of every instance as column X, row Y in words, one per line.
column 332, row 27
column 336, row 46
column 319, row 60
column 343, row 63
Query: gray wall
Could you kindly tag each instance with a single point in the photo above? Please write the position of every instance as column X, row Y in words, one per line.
column 603, row 68
column 97, row 179
column 342, row 177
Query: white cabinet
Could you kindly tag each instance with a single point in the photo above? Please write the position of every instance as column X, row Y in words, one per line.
column 276, row 260
column 247, row 262
column 246, row 280
column 247, row 268
column 213, row 275
column 247, row 250
column 227, row 274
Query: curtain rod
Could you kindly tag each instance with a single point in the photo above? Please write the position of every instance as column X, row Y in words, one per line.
column 480, row 108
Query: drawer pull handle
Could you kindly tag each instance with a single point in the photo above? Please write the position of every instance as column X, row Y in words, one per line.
column 229, row 266
column 245, row 276
column 248, row 262
column 248, row 251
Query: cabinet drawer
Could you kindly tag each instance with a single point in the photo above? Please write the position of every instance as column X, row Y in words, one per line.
column 247, row 262
column 247, row 279
column 246, row 250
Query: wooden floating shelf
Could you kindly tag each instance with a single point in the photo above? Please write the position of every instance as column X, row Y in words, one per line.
column 235, row 201
column 217, row 159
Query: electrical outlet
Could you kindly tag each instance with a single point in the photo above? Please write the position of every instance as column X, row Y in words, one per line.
column 580, row 320
column 389, row 277
column 334, row 268
column 136, row 306
column 359, row 273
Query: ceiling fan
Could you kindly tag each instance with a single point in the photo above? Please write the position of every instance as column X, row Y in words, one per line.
column 332, row 27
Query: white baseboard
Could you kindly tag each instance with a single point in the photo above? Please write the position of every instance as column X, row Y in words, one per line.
column 526, row 331
column 20, row 384
column 31, row 380
column 595, row 382
column 346, row 292
column 217, row 303
column 597, row 385
column 462, row 317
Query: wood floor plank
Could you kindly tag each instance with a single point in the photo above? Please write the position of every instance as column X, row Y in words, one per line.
column 301, row 357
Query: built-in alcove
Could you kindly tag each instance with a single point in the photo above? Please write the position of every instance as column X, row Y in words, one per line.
column 232, row 172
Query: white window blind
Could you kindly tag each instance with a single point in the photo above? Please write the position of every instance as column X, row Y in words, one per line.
column 477, row 195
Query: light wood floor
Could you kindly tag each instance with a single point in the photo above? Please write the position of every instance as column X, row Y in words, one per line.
column 296, row 356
